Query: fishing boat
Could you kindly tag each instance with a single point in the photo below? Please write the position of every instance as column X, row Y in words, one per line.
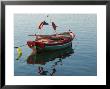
column 51, row 42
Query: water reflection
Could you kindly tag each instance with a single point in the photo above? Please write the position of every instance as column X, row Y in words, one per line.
column 43, row 58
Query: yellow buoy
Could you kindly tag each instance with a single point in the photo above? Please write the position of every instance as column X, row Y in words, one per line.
column 19, row 51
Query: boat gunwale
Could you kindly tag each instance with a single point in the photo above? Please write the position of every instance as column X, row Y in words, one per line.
column 48, row 44
column 69, row 40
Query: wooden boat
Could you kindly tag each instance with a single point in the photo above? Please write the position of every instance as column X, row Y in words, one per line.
column 52, row 42
column 44, row 57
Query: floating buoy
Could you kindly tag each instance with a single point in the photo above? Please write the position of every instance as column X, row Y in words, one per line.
column 19, row 51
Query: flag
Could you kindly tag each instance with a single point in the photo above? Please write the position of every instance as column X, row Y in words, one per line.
column 54, row 26
column 45, row 23
column 41, row 24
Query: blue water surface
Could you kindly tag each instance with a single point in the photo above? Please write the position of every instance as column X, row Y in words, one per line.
column 82, row 62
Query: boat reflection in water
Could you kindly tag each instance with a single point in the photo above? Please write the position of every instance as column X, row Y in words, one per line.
column 43, row 58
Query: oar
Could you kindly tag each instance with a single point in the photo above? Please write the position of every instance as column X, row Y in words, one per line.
column 33, row 35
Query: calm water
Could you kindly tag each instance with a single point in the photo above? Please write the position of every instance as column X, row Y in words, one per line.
column 80, row 60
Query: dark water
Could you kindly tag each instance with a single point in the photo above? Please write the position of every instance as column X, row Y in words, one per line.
column 78, row 60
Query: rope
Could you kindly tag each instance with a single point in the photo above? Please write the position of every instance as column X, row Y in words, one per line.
column 76, row 44
column 20, row 46
column 64, row 27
